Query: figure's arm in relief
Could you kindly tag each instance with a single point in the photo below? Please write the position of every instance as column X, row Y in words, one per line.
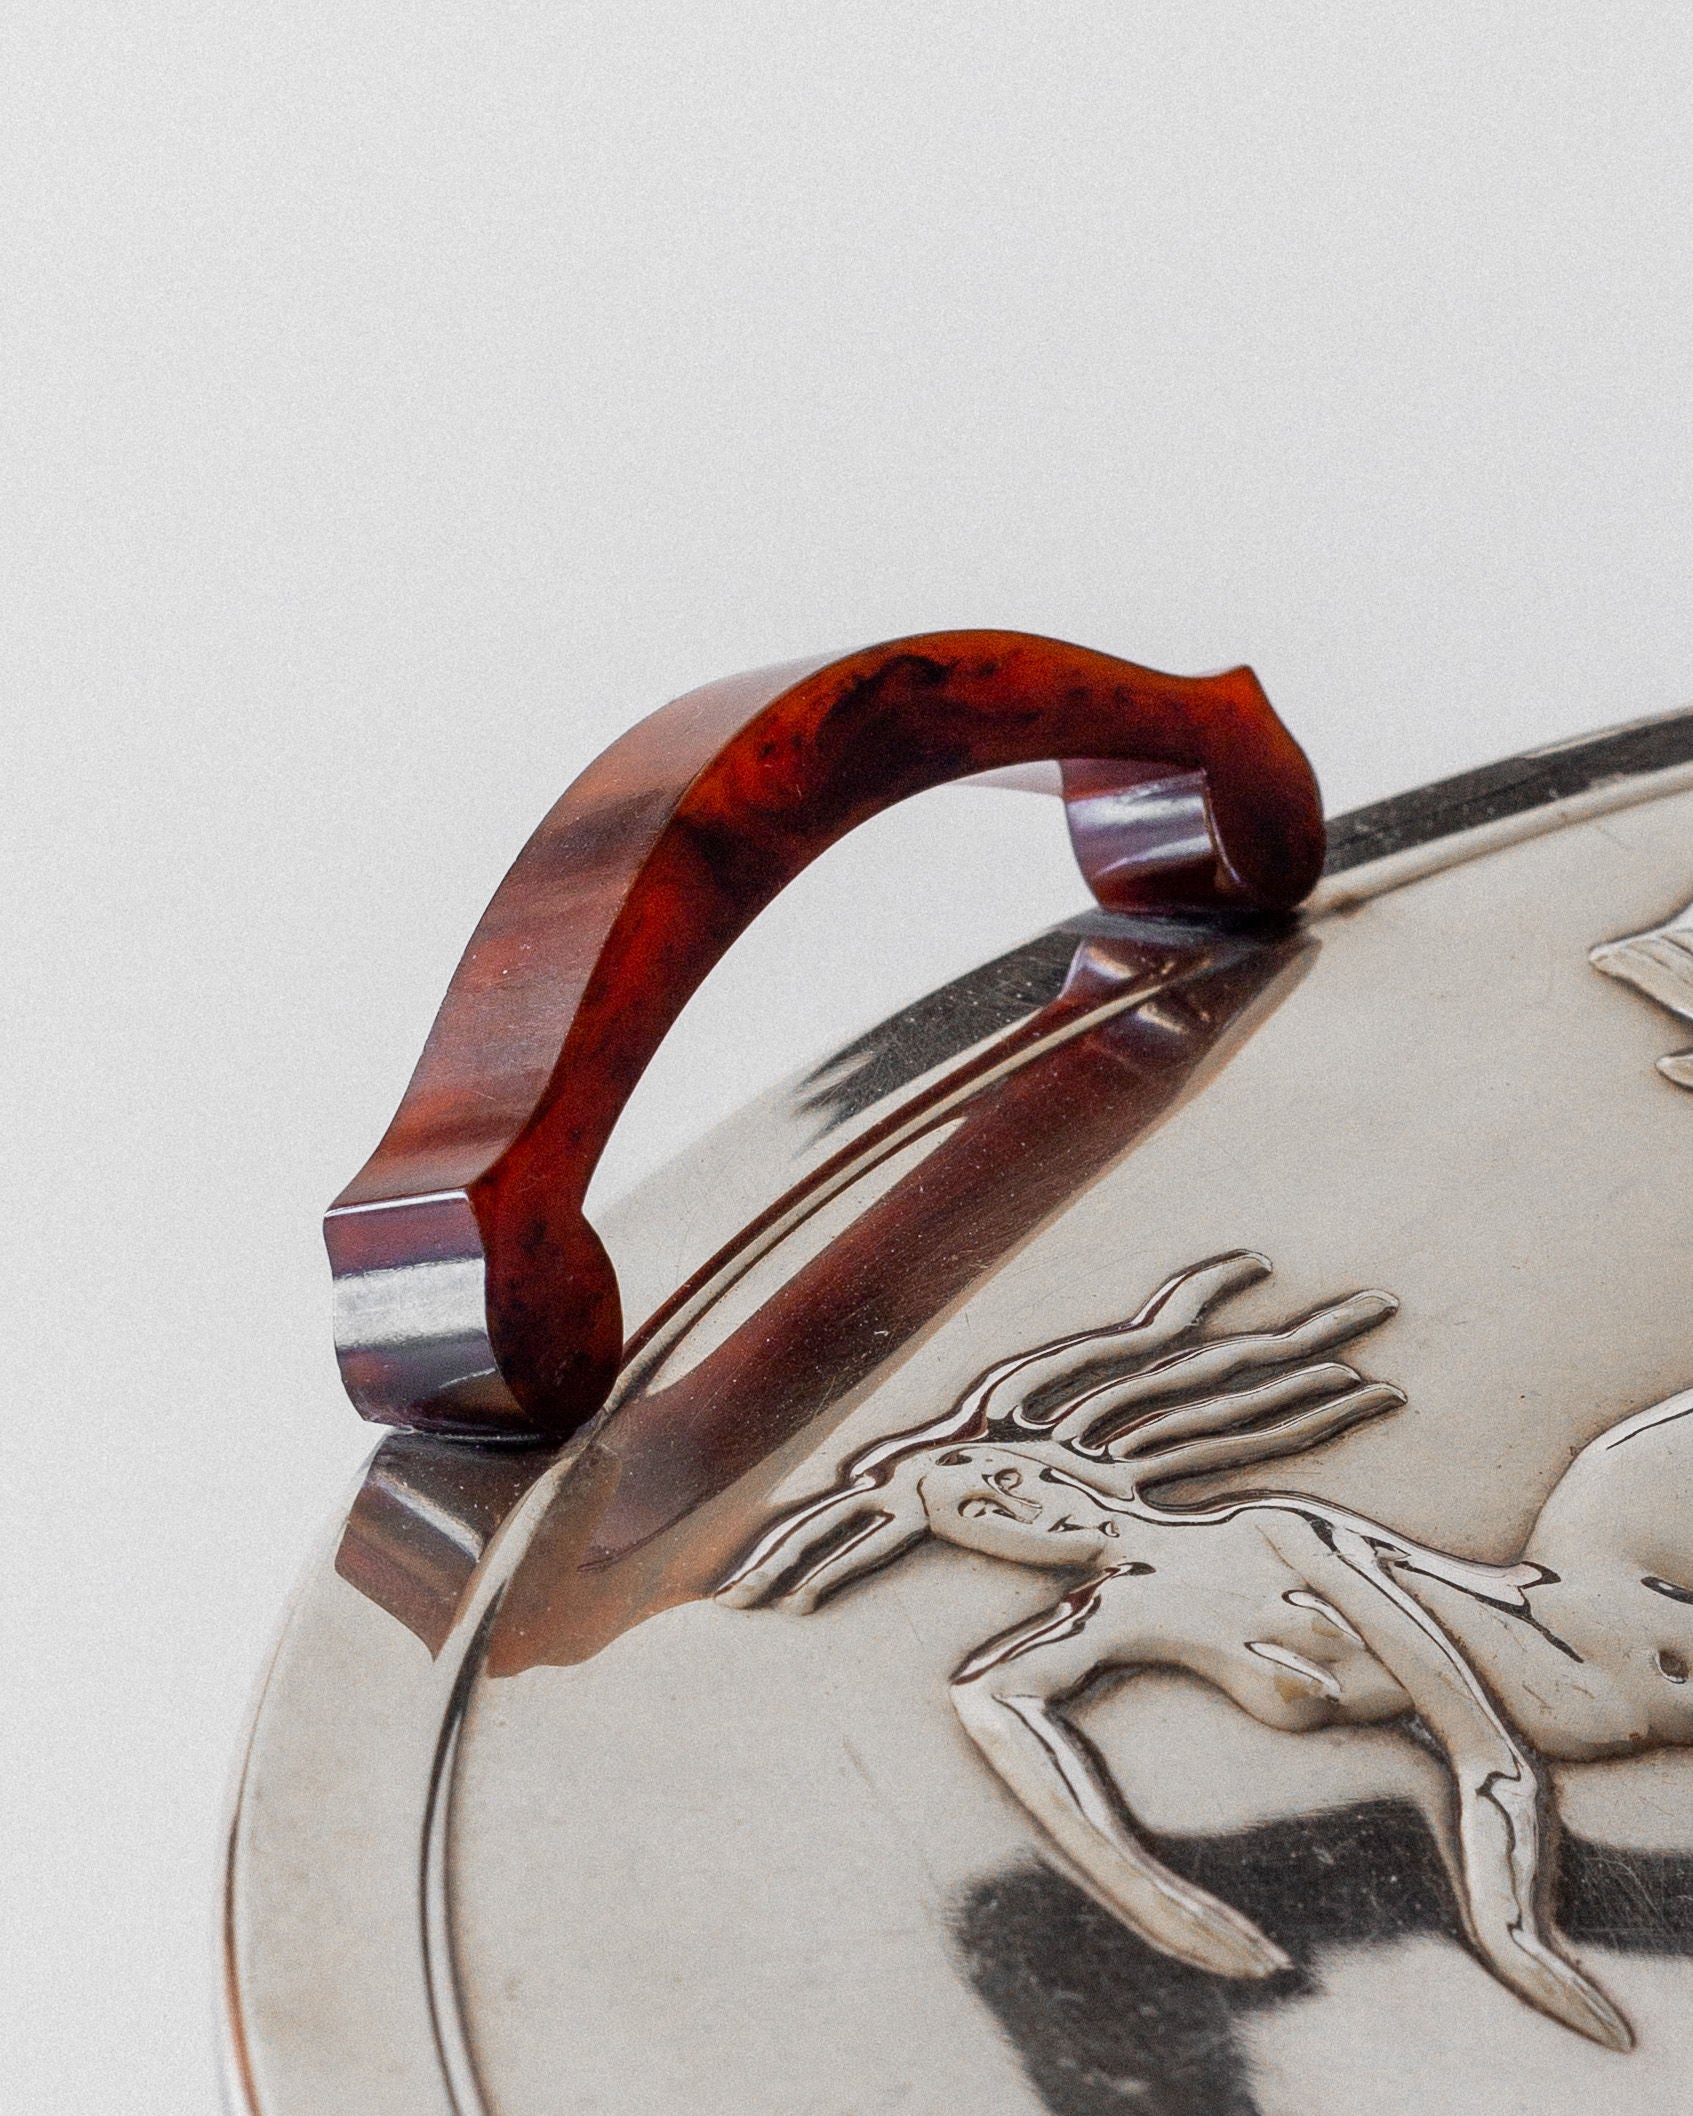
column 1503, row 1817
column 1009, row 1697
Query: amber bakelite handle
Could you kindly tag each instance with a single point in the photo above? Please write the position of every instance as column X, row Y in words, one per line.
column 472, row 1296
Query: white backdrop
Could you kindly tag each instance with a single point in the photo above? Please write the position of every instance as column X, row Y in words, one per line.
column 398, row 401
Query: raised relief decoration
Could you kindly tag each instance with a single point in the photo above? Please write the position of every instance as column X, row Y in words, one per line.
column 1304, row 1614
column 1659, row 963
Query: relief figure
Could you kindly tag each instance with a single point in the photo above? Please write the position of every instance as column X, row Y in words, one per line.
column 1304, row 1614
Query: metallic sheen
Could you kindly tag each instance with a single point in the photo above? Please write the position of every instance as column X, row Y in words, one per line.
column 1256, row 1697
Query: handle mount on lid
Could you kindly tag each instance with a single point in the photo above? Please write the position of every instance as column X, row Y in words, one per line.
column 472, row 1296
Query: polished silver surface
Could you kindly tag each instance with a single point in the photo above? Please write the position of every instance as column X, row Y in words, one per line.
column 1564, row 1652
column 1660, row 964
column 1206, row 1723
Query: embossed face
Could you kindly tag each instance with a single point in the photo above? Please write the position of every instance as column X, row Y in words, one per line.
column 1013, row 1505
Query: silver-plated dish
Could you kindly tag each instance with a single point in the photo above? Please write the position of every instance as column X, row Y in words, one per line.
column 1157, row 1578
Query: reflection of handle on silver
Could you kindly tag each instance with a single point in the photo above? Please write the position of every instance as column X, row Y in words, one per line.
column 472, row 1295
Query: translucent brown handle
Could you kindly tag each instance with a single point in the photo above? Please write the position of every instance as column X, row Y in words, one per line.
column 472, row 1295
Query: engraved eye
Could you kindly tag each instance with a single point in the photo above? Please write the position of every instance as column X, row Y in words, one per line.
column 1007, row 1479
column 953, row 1456
column 1671, row 1666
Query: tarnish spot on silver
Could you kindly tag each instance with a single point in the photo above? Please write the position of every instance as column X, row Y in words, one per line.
column 1306, row 1598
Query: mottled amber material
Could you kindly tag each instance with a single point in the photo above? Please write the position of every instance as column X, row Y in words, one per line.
column 1180, row 790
